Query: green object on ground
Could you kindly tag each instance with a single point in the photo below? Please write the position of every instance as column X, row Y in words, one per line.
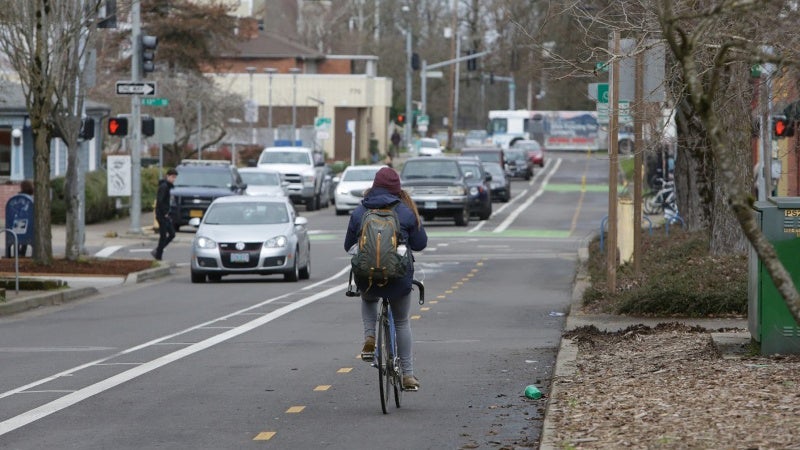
column 533, row 392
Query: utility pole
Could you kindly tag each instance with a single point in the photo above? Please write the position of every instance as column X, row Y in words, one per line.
column 638, row 160
column 453, row 72
column 613, row 170
column 136, row 119
column 409, row 119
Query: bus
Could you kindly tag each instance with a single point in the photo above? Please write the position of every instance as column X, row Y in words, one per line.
column 555, row 130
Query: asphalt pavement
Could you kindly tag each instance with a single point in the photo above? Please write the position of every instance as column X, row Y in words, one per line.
column 114, row 233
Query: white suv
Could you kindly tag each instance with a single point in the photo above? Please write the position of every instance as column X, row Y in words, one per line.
column 302, row 174
column 430, row 147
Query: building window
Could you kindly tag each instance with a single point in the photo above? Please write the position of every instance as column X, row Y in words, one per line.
column 5, row 152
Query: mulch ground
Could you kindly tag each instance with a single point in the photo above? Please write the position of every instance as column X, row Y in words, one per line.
column 118, row 267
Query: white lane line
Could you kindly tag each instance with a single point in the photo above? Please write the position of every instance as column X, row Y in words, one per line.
column 108, row 251
column 514, row 214
column 68, row 400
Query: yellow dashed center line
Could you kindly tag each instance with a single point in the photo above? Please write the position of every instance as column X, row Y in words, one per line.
column 449, row 291
column 322, row 387
column 464, row 279
column 470, row 275
column 345, row 369
column 295, row 409
column 433, row 302
column 474, row 271
column 415, row 317
column 441, row 296
column 479, row 263
column 264, row 436
column 424, row 308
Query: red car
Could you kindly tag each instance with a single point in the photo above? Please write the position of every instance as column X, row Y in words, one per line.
column 534, row 149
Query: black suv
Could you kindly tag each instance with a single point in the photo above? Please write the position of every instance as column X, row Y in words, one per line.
column 198, row 184
column 438, row 187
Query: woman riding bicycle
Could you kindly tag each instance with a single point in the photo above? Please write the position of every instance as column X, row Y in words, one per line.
column 386, row 192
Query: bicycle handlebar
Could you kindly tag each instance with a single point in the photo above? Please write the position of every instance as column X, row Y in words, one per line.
column 421, row 290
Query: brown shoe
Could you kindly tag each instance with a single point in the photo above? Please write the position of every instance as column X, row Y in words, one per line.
column 410, row 383
column 368, row 350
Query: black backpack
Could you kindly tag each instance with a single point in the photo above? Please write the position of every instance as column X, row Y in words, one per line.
column 377, row 260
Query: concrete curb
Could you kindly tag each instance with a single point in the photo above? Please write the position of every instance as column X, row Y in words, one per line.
column 57, row 297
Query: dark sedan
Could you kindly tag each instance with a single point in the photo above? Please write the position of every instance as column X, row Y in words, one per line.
column 518, row 164
column 480, row 194
column 500, row 185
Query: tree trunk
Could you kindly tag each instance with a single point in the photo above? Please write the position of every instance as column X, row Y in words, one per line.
column 42, row 234
column 692, row 168
column 73, row 249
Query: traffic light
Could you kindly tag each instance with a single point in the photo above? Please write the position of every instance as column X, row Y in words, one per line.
column 148, row 52
column 415, row 64
column 472, row 64
column 148, row 126
column 118, row 126
column 782, row 127
column 87, row 129
column 401, row 119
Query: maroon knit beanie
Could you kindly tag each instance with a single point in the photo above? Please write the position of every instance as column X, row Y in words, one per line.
column 388, row 179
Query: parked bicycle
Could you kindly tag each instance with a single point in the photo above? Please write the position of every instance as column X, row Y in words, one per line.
column 664, row 198
column 386, row 359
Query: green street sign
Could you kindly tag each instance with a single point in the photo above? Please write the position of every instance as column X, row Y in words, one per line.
column 601, row 67
column 154, row 101
column 602, row 92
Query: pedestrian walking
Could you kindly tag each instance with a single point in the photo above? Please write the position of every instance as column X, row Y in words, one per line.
column 166, row 230
column 395, row 144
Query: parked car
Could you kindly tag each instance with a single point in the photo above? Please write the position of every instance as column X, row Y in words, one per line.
column 480, row 190
column 518, row 164
column 533, row 148
column 438, row 187
column 486, row 153
column 476, row 138
column 250, row 235
column 261, row 181
column 199, row 183
column 500, row 185
column 353, row 181
column 430, row 147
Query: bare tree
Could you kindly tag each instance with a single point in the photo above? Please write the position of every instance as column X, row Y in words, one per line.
column 713, row 44
column 42, row 40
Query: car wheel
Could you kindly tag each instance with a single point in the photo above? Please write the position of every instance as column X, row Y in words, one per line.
column 294, row 274
column 507, row 197
column 177, row 228
column 312, row 203
column 462, row 217
column 528, row 175
column 305, row 272
column 198, row 277
column 541, row 164
column 341, row 212
column 486, row 213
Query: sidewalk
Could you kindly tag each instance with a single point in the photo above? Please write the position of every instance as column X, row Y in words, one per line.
column 729, row 343
column 97, row 235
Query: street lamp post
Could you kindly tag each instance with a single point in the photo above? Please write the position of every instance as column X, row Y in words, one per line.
column 294, row 71
column 409, row 120
column 251, row 106
column 270, row 71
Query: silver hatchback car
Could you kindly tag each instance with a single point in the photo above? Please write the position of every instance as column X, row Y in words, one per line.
column 242, row 235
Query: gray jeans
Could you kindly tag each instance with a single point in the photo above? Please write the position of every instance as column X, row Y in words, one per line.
column 400, row 310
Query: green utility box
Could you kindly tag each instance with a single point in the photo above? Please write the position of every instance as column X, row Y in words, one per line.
column 770, row 322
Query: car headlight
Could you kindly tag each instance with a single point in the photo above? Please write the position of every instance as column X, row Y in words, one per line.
column 308, row 179
column 276, row 242
column 204, row 242
column 455, row 190
column 473, row 190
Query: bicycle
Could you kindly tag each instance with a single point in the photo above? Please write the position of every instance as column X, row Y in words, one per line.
column 386, row 359
column 655, row 202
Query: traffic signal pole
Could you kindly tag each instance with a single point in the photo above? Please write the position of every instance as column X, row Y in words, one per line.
column 426, row 68
column 136, row 147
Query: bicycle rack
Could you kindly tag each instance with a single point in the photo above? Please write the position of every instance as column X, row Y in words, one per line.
column 603, row 227
column 16, row 259
column 673, row 219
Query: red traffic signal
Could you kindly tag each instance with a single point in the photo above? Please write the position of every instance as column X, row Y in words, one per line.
column 118, row 126
column 401, row 119
column 782, row 127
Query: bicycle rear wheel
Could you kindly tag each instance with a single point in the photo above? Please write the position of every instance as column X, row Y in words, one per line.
column 383, row 359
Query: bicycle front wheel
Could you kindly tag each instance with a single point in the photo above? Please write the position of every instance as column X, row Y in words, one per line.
column 651, row 204
column 383, row 360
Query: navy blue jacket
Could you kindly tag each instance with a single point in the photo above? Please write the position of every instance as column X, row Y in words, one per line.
column 411, row 234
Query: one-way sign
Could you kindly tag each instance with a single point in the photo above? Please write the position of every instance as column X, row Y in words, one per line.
column 136, row 88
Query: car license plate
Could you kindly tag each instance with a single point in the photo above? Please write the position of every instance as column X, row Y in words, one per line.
column 430, row 205
column 196, row 213
column 240, row 257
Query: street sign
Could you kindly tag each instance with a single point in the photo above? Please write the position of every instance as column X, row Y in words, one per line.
column 602, row 93
column 322, row 125
column 434, row 74
column 251, row 111
column 154, row 101
column 136, row 88
column 422, row 123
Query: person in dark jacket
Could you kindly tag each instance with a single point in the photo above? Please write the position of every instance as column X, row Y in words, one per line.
column 166, row 230
column 386, row 191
